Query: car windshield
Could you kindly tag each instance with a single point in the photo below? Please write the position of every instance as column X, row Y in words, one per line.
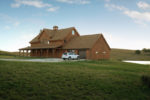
column 65, row 53
column 70, row 53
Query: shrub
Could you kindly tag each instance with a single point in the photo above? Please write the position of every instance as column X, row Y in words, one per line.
column 146, row 50
column 137, row 52
column 146, row 80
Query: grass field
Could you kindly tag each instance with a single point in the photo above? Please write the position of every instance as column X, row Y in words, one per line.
column 13, row 55
column 87, row 80
column 123, row 54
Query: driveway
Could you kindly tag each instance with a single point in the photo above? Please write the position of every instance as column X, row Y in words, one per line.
column 40, row 60
column 36, row 60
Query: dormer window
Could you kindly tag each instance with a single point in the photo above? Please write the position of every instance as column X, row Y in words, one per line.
column 73, row 32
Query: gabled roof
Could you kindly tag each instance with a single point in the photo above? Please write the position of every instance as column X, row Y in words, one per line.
column 82, row 42
column 54, row 34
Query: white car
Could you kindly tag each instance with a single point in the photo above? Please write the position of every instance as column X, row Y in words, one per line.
column 70, row 55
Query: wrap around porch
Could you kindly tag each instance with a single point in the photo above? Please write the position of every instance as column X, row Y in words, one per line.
column 52, row 53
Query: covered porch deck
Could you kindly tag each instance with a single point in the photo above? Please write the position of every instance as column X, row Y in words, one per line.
column 51, row 51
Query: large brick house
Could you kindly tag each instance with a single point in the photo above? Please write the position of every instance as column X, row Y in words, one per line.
column 54, row 42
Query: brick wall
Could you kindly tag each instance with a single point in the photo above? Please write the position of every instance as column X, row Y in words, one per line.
column 99, row 51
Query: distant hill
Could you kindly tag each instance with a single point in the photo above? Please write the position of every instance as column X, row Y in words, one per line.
column 6, row 53
column 124, row 54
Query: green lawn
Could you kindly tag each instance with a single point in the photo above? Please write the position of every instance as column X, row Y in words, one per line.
column 13, row 55
column 87, row 80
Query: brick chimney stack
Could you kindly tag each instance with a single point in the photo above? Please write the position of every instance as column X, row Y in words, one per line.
column 55, row 28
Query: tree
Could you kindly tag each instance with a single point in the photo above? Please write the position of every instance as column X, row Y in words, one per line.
column 146, row 50
column 137, row 52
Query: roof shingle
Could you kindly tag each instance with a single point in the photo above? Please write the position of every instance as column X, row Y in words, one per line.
column 54, row 34
column 82, row 42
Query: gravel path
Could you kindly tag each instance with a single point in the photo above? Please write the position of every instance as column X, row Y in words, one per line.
column 41, row 60
column 36, row 60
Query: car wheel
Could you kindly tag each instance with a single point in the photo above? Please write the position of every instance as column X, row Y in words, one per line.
column 78, row 58
column 64, row 58
column 69, row 58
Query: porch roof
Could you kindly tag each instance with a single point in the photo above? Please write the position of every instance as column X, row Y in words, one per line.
column 41, row 47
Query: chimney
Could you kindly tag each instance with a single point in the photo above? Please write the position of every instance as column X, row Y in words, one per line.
column 55, row 28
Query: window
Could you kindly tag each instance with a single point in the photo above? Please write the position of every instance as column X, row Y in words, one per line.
column 48, row 42
column 73, row 32
column 44, row 41
column 104, row 52
column 96, row 52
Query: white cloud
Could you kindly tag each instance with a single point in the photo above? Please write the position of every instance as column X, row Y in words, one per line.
column 7, row 27
column 52, row 9
column 9, row 20
column 143, row 5
column 16, row 23
column 141, row 16
column 75, row 1
column 138, row 17
column 112, row 6
column 15, row 5
column 34, row 3
column 107, row 0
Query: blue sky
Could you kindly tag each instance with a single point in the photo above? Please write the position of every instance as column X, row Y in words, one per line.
column 124, row 23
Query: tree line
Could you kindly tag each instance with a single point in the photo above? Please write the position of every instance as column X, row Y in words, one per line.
column 145, row 51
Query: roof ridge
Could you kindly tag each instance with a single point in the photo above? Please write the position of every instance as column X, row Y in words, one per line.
column 92, row 34
column 58, row 29
column 47, row 29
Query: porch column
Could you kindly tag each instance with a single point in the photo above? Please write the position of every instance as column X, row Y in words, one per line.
column 19, row 52
column 47, row 52
column 27, row 53
column 23, row 52
column 53, row 53
column 41, row 53
column 36, row 52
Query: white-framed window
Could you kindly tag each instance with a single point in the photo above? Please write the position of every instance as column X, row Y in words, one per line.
column 96, row 52
column 73, row 32
column 48, row 42
column 104, row 52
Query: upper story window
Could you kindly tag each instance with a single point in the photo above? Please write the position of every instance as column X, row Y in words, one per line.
column 44, row 41
column 73, row 32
